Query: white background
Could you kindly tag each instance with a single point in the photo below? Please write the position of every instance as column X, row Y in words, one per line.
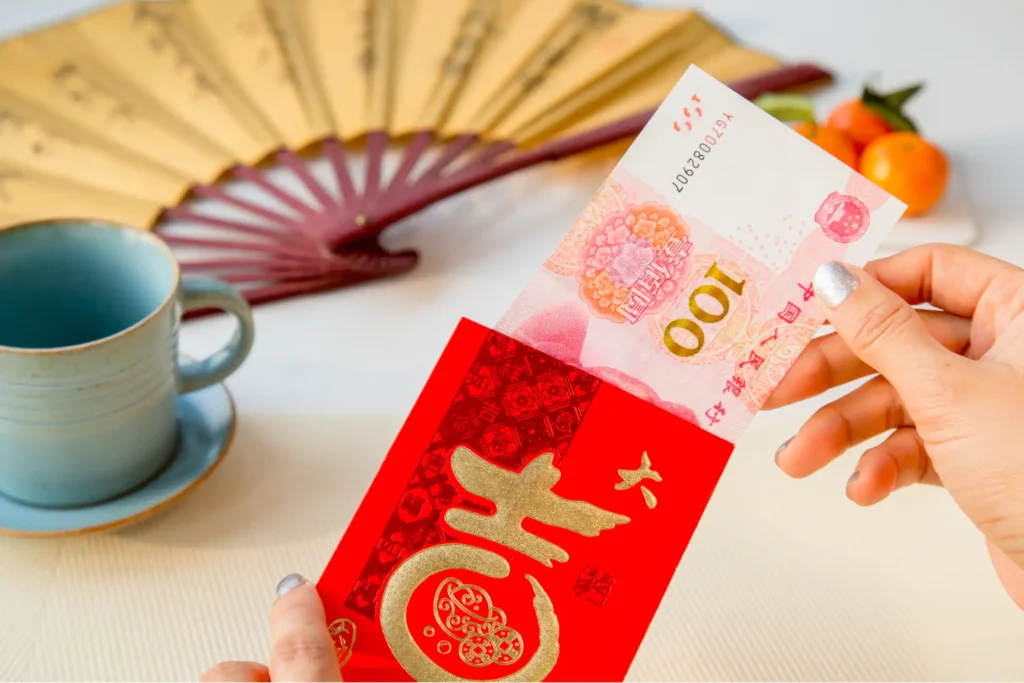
column 783, row 579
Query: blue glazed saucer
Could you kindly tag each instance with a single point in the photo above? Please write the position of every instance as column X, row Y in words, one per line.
column 206, row 423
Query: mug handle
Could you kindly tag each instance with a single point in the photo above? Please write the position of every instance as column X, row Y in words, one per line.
column 207, row 292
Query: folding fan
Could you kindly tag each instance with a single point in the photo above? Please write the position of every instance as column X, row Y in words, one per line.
column 271, row 141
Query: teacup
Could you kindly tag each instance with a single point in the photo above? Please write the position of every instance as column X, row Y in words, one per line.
column 89, row 368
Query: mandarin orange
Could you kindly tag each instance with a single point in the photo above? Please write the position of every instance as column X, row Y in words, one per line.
column 831, row 140
column 856, row 120
column 908, row 167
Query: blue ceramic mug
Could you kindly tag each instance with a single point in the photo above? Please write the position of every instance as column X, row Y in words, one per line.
column 89, row 369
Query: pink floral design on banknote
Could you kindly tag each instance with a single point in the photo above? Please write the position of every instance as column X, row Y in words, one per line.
column 610, row 199
column 559, row 331
column 633, row 262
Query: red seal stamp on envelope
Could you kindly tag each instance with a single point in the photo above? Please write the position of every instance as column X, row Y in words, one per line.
column 844, row 218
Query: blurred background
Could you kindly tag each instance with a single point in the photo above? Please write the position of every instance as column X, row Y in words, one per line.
column 969, row 54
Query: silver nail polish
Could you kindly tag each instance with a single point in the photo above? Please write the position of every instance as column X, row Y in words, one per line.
column 289, row 583
column 833, row 282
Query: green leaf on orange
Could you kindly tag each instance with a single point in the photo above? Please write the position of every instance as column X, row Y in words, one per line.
column 892, row 115
column 898, row 98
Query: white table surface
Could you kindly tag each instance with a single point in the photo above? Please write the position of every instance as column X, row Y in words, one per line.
column 784, row 579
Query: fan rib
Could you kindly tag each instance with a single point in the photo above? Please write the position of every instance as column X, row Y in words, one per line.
column 451, row 152
column 221, row 194
column 239, row 263
column 297, row 165
column 257, row 178
column 335, row 153
column 206, row 242
column 376, row 144
column 413, row 153
column 181, row 213
column 482, row 159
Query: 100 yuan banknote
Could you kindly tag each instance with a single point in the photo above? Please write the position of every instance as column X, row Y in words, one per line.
column 687, row 280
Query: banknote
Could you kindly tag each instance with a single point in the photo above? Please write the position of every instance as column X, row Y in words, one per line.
column 687, row 280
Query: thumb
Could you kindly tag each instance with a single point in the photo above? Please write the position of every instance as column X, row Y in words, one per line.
column 302, row 647
column 883, row 330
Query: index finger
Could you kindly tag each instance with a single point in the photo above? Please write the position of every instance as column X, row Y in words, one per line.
column 302, row 649
column 949, row 277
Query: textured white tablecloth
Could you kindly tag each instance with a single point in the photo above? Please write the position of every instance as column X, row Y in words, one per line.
column 783, row 580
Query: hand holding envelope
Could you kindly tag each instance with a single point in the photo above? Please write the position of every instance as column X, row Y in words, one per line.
column 532, row 510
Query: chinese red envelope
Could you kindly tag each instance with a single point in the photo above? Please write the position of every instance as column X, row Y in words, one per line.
column 527, row 513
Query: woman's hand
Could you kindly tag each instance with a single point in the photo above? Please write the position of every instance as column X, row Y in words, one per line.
column 950, row 383
column 301, row 650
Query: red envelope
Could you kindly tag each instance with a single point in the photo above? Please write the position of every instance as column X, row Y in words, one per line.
column 525, row 524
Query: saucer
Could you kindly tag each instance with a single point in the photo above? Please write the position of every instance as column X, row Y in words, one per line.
column 206, row 424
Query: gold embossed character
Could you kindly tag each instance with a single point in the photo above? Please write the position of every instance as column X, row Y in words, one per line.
column 520, row 495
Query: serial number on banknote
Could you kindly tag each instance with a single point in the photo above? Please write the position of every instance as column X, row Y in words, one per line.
column 701, row 153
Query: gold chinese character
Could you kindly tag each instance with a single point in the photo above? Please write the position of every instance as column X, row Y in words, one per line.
column 518, row 496
column 631, row 478
column 344, row 633
column 419, row 567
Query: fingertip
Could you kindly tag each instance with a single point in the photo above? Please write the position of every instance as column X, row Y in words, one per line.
column 873, row 480
column 834, row 281
column 855, row 490
column 792, row 460
column 289, row 583
column 862, row 491
column 297, row 595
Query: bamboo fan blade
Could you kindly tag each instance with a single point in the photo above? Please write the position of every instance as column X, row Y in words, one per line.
column 34, row 196
column 51, row 146
column 244, row 36
column 271, row 142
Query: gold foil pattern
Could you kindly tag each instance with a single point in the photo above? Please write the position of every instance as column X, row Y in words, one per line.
column 631, row 478
column 521, row 495
column 343, row 631
column 465, row 612
column 421, row 566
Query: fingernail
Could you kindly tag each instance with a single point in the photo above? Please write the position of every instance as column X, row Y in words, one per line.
column 853, row 478
column 289, row 583
column 782, row 448
column 833, row 282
